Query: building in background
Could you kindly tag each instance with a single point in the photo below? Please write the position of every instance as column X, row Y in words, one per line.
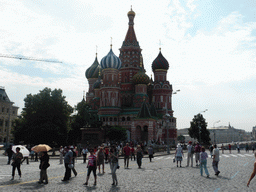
column 8, row 113
column 124, row 95
column 221, row 134
column 228, row 134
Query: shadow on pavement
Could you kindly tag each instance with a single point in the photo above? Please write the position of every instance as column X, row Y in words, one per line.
column 31, row 186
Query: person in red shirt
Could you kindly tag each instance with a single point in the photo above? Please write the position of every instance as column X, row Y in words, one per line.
column 132, row 153
column 126, row 151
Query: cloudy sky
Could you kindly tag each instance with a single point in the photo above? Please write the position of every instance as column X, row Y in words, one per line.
column 210, row 46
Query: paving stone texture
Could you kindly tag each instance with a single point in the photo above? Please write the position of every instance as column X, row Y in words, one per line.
column 159, row 175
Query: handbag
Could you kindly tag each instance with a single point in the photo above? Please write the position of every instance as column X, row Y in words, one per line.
column 174, row 160
column 13, row 164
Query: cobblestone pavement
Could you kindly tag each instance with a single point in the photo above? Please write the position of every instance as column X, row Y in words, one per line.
column 159, row 175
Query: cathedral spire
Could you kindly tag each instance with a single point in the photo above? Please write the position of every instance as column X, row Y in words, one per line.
column 130, row 38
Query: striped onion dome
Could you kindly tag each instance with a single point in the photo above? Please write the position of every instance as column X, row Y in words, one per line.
column 93, row 70
column 96, row 85
column 141, row 77
column 110, row 61
column 160, row 63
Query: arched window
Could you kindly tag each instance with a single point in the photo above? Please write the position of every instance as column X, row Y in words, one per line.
column 115, row 119
column 110, row 119
column 128, row 119
column 123, row 118
column 103, row 119
column 145, row 128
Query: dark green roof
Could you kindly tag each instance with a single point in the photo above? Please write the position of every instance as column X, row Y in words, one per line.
column 153, row 110
column 144, row 111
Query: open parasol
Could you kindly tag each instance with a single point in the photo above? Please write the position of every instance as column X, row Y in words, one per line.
column 41, row 147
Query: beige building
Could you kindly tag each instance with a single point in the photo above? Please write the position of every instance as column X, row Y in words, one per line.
column 8, row 113
column 221, row 134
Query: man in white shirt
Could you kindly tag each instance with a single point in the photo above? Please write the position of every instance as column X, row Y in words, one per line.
column 216, row 159
column 190, row 154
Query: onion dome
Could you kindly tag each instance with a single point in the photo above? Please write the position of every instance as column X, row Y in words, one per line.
column 110, row 61
column 96, row 85
column 93, row 70
column 140, row 78
column 160, row 63
column 131, row 13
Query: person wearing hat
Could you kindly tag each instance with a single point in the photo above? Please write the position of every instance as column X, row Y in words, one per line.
column 190, row 153
column 68, row 159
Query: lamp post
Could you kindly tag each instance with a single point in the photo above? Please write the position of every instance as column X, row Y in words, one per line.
column 215, row 130
column 200, row 126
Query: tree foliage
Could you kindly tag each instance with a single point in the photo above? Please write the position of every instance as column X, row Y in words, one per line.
column 198, row 124
column 181, row 138
column 116, row 133
column 84, row 118
column 44, row 119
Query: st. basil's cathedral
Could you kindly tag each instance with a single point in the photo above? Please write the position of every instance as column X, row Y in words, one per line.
column 123, row 94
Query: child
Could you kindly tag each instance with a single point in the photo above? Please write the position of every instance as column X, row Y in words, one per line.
column 92, row 166
column 203, row 162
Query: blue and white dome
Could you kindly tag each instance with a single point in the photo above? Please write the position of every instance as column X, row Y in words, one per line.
column 110, row 61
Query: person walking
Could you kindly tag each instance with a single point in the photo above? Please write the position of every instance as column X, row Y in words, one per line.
column 229, row 148
column 215, row 160
column 150, row 152
column 247, row 147
column 238, row 148
column 139, row 154
column 222, row 148
column 100, row 159
column 106, row 154
column 92, row 166
column 211, row 149
column 9, row 154
column 127, row 152
column 44, row 164
column 67, row 160
column 114, row 164
column 190, row 153
column 178, row 154
column 132, row 153
column 253, row 172
column 16, row 161
column 73, row 160
column 253, row 148
column 61, row 154
column 203, row 162
column 197, row 151
column 84, row 153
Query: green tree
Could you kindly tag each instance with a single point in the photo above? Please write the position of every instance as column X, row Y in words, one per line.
column 199, row 125
column 116, row 133
column 84, row 118
column 181, row 138
column 44, row 119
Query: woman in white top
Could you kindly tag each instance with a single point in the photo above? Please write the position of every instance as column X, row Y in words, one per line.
column 179, row 154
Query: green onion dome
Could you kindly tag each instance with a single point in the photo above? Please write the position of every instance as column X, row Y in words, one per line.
column 160, row 63
column 96, row 85
column 141, row 77
column 93, row 70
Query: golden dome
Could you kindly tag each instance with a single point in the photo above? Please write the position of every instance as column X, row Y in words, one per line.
column 131, row 12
